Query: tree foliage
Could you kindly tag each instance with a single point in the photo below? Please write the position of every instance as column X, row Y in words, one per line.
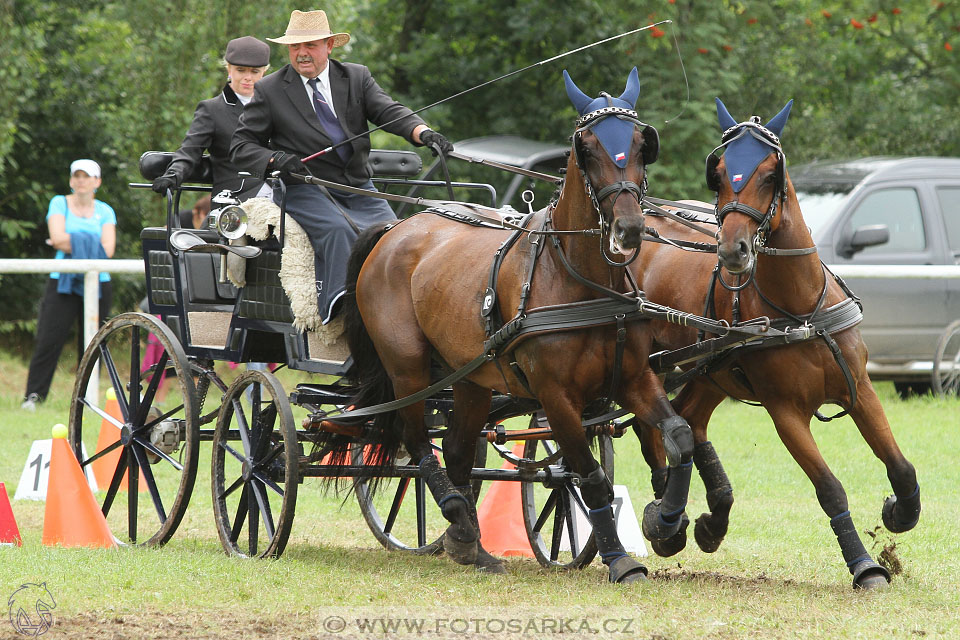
column 110, row 80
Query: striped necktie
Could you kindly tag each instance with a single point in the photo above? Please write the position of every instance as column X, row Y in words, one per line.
column 329, row 121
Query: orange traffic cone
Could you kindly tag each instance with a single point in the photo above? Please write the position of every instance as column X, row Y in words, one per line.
column 72, row 517
column 103, row 468
column 9, row 533
column 501, row 519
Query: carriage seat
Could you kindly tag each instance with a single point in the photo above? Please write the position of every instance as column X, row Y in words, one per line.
column 153, row 164
column 384, row 162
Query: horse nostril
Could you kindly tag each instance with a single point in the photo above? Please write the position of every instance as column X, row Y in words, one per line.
column 744, row 248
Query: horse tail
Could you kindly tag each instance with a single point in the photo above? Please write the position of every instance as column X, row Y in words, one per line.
column 369, row 380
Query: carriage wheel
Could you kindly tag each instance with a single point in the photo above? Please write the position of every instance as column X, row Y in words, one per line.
column 146, row 440
column 255, row 467
column 401, row 513
column 551, row 514
column 946, row 364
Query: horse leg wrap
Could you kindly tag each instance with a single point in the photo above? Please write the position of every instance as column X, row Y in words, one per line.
column 867, row 574
column 460, row 539
column 664, row 518
column 902, row 513
column 711, row 527
column 677, row 439
column 622, row 567
column 486, row 562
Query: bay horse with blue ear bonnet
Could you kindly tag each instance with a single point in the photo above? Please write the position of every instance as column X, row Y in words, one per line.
column 432, row 290
column 768, row 270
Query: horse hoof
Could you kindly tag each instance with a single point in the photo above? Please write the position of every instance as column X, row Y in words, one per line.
column 706, row 539
column 869, row 575
column 891, row 520
column 625, row 570
column 460, row 551
column 487, row 563
column 655, row 527
column 674, row 544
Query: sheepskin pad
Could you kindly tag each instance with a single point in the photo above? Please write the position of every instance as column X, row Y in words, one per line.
column 296, row 267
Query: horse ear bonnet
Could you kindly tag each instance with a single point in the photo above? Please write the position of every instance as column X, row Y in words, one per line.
column 744, row 154
column 615, row 135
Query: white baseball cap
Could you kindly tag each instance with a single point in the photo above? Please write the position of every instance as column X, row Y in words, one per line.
column 89, row 167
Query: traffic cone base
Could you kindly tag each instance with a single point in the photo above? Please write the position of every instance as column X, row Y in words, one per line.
column 501, row 517
column 9, row 533
column 72, row 517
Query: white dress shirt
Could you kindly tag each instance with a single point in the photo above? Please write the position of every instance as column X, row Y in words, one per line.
column 323, row 82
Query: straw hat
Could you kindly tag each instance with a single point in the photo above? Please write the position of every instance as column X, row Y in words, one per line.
column 306, row 26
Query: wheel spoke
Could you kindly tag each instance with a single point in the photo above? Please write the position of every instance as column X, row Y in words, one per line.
column 157, row 452
column 100, row 454
column 115, row 381
column 242, row 427
column 268, row 482
column 134, row 404
column 232, row 451
column 151, row 391
column 114, row 484
column 568, row 519
column 133, row 494
column 421, row 512
column 265, row 513
column 151, row 483
column 103, row 414
column 395, row 506
column 558, row 517
column 233, row 487
column 548, row 506
column 241, row 514
column 253, row 526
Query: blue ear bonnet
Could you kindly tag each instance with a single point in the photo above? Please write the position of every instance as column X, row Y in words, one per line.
column 745, row 151
column 614, row 134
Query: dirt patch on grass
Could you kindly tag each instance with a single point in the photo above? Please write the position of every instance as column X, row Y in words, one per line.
column 160, row 625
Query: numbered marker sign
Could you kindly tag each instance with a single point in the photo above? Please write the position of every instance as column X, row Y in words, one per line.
column 36, row 472
column 627, row 526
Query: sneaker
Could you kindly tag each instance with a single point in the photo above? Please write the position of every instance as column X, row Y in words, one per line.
column 30, row 404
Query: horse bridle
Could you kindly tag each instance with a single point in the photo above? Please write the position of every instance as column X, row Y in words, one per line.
column 587, row 122
column 764, row 220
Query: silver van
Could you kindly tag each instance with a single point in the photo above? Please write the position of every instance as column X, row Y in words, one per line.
column 891, row 211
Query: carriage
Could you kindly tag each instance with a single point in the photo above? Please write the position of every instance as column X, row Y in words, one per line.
column 260, row 455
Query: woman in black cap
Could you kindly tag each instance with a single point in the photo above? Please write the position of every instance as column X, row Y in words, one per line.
column 215, row 119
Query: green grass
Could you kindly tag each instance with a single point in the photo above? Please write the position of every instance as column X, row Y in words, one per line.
column 778, row 574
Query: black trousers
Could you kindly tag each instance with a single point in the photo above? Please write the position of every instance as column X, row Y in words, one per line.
column 58, row 313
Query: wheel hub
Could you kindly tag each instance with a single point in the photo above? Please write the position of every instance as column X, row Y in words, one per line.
column 126, row 435
column 246, row 471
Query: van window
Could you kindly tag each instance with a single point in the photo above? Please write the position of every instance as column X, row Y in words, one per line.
column 899, row 209
column 950, row 206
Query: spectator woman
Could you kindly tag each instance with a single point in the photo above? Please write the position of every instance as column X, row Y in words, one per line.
column 80, row 227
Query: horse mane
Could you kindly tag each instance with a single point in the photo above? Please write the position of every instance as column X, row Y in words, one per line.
column 372, row 384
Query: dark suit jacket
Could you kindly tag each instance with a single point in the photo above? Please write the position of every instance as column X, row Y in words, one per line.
column 281, row 118
column 212, row 130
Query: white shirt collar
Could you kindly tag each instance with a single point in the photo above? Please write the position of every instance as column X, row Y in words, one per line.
column 324, row 82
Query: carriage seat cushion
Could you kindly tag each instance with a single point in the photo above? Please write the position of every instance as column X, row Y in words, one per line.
column 153, row 164
column 296, row 264
column 387, row 162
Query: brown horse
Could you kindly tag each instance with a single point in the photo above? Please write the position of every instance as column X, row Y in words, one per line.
column 768, row 266
column 418, row 300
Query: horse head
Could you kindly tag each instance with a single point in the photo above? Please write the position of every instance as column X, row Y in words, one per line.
column 750, row 183
column 611, row 149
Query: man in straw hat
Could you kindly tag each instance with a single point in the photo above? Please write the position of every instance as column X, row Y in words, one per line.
column 309, row 105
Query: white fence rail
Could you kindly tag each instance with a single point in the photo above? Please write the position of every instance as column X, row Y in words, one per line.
column 91, row 290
